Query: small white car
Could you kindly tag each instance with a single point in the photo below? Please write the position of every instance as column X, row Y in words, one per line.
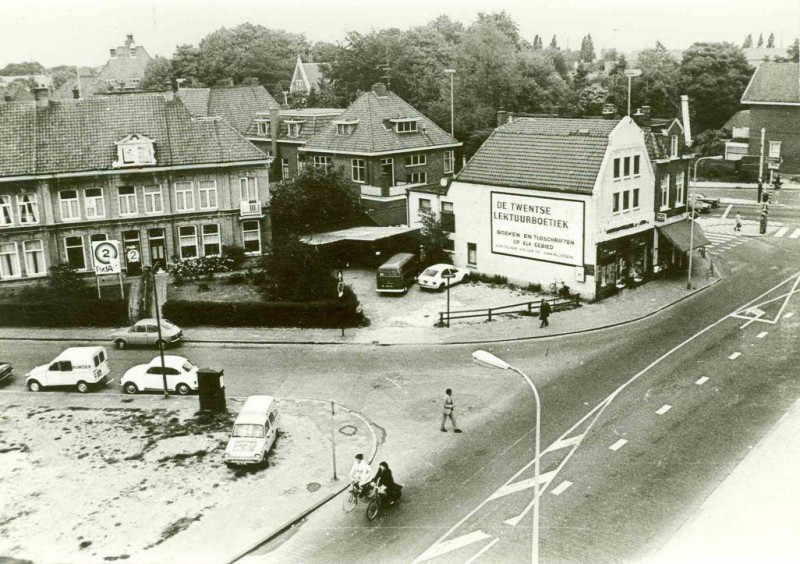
column 145, row 333
column 435, row 277
column 181, row 376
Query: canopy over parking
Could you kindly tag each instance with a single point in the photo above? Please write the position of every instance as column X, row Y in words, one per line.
column 364, row 233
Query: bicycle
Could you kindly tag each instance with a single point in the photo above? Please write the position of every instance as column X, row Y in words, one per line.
column 379, row 497
column 556, row 286
column 353, row 493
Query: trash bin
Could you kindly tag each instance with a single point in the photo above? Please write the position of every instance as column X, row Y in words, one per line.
column 211, row 389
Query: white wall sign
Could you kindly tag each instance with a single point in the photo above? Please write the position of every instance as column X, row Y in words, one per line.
column 106, row 257
column 537, row 227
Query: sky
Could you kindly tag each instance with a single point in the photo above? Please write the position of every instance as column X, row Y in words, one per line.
column 80, row 32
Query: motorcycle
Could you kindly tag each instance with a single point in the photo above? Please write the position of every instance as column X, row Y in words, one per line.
column 377, row 495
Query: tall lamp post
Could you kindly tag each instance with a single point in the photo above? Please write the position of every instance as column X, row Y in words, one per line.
column 691, row 216
column 160, row 343
column 451, row 72
column 488, row 360
column 630, row 73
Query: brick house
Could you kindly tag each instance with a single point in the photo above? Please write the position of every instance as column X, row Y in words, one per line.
column 137, row 169
column 384, row 146
column 773, row 96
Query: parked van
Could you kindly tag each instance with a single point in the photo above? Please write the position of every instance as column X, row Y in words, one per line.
column 254, row 432
column 76, row 366
column 397, row 274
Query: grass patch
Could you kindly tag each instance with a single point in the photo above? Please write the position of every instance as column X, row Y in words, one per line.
column 217, row 290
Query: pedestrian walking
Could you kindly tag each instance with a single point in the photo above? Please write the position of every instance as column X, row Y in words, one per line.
column 763, row 223
column 544, row 313
column 738, row 226
column 449, row 407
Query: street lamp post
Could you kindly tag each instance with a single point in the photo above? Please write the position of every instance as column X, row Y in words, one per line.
column 630, row 73
column 160, row 343
column 691, row 216
column 451, row 72
column 488, row 360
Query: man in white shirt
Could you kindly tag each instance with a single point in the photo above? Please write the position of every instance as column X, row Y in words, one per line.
column 360, row 472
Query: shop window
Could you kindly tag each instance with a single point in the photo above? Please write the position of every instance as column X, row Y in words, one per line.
column 251, row 237
column 75, row 255
column 184, row 196
column 5, row 210
column 68, row 203
column 472, row 254
column 359, row 170
column 9, row 261
column 28, row 209
column 207, row 190
column 34, row 257
column 127, row 200
column 187, row 239
column 94, row 203
column 211, row 240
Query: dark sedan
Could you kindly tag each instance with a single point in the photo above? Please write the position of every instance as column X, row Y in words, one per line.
column 713, row 202
column 6, row 370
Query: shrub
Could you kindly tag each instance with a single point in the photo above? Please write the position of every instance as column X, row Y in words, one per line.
column 199, row 267
column 236, row 278
column 65, row 311
column 233, row 254
column 487, row 278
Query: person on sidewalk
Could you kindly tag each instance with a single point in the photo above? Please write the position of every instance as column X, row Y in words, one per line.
column 544, row 313
column 449, row 407
column 360, row 473
column 738, row 226
column 763, row 223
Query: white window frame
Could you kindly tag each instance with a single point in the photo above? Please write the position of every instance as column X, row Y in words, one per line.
column 680, row 187
column 182, row 238
column 358, row 170
column 150, row 201
column 83, row 250
column 209, row 236
column 6, row 210
column 449, row 158
column 207, row 190
column 472, row 254
column 417, row 159
column 294, row 128
column 665, row 192
column 405, row 126
column 389, row 161
column 9, row 261
column 32, row 256
column 245, row 232
column 775, row 149
column 95, row 206
column 417, row 177
column 323, row 163
column 425, row 205
column 184, row 196
column 27, row 209
column 248, row 189
column 262, row 126
column 673, row 146
column 69, row 208
column 285, row 172
column 127, row 199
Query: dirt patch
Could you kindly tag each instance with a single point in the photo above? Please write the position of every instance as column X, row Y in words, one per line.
column 216, row 290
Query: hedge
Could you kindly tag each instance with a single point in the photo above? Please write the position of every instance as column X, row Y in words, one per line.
column 65, row 313
column 320, row 314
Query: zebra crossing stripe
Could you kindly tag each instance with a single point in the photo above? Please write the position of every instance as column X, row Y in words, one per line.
column 795, row 234
column 781, row 232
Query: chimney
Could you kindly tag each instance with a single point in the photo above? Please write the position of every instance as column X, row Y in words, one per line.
column 76, row 93
column 129, row 40
column 639, row 116
column 113, row 53
column 646, row 112
column 609, row 111
column 502, row 117
column 687, row 130
column 274, row 129
column 42, row 96
column 379, row 88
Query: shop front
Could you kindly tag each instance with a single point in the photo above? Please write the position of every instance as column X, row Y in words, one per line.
column 623, row 263
column 673, row 243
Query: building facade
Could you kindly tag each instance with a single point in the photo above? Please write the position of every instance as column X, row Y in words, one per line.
column 306, row 77
column 135, row 169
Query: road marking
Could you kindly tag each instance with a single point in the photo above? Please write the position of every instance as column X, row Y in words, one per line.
column 762, row 334
column 481, row 551
column 663, row 409
column 734, row 356
column 563, row 443
column 701, row 381
column 795, row 234
column 562, row 487
column 726, row 212
column 788, row 315
column 454, row 544
column 523, row 485
column 781, row 232
column 618, row 445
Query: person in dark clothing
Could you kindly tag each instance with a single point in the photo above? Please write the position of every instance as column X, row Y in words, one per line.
column 385, row 478
column 544, row 313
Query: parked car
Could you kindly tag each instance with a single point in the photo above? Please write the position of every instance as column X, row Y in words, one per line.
column 6, row 370
column 699, row 205
column 75, row 366
column 181, row 376
column 145, row 333
column 254, row 432
column 435, row 277
column 713, row 202
column 397, row 274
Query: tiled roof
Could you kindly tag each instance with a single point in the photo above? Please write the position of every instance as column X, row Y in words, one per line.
column 313, row 73
column 542, row 153
column 79, row 136
column 374, row 133
column 774, row 83
column 124, row 67
column 756, row 55
column 739, row 119
column 238, row 105
column 314, row 120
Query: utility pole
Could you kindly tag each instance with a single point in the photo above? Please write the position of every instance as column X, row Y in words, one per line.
column 761, row 167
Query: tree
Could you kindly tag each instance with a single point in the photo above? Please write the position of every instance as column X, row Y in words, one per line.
column 537, row 43
column 158, row 75
column 62, row 74
column 793, row 51
column 592, row 99
column 760, row 40
column 587, row 49
column 748, row 41
column 21, row 69
column 657, row 86
column 297, row 272
column 710, row 142
column 714, row 75
column 771, row 41
column 185, row 64
column 553, row 43
column 433, row 239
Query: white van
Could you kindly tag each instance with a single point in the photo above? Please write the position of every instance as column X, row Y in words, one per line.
column 76, row 366
column 254, row 432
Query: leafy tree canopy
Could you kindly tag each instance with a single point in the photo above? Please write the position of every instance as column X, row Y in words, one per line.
column 658, row 84
column 587, row 49
column 158, row 75
column 18, row 69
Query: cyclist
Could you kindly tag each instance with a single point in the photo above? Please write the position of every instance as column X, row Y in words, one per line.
column 360, row 474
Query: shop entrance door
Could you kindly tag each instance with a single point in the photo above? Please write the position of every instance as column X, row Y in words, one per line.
column 158, row 249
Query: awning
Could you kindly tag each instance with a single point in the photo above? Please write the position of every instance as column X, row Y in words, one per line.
column 680, row 234
column 367, row 233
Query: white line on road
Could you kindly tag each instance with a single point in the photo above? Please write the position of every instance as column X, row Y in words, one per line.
column 726, row 212
column 788, row 315
column 762, row 334
column 664, row 408
column 795, row 234
column 781, row 232
column 618, row 445
column 564, row 443
column 454, row 544
column 562, row 487
column 481, row 551
column 523, row 485
column 734, row 356
column 701, row 381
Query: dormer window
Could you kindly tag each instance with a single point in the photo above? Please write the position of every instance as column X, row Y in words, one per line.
column 294, row 128
column 346, row 127
column 405, row 125
column 673, row 146
column 262, row 126
column 135, row 150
